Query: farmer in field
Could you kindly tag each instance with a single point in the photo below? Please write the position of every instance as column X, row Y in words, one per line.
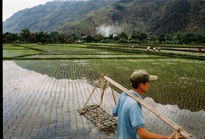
column 131, row 124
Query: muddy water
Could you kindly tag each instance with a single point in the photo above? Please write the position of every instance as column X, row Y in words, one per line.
column 41, row 106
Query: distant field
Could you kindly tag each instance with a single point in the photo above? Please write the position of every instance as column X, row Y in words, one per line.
column 183, row 45
column 38, row 50
column 161, row 45
column 65, row 51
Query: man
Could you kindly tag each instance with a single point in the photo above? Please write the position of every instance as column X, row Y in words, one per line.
column 131, row 124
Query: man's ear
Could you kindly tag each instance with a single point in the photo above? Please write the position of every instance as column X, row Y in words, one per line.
column 141, row 85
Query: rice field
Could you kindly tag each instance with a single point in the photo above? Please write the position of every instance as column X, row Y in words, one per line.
column 41, row 97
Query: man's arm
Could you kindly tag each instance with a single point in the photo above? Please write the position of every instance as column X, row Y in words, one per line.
column 144, row 134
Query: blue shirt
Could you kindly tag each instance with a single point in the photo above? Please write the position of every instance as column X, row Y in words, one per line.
column 130, row 117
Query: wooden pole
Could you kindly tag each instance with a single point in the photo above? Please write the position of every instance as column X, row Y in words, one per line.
column 159, row 115
column 101, row 99
column 91, row 94
column 113, row 95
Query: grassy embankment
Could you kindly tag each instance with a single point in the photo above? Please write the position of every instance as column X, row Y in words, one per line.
column 87, row 51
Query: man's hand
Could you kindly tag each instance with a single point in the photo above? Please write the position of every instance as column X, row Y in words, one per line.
column 176, row 135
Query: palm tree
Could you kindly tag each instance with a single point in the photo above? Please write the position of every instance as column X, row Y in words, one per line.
column 26, row 35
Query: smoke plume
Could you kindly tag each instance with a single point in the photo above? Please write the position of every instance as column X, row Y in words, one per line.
column 107, row 30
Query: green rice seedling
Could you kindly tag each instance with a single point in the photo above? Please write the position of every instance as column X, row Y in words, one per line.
column 68, row 109
column 50, row 103
column 176, row 80
column 20, row 109
column 58, row 101
column 15, row 112
column 167, row 75
column 53, row 100
column 30, row 121
column 76, row 87
column 39, row 107
column 46, row 105
column 84, row 96
column 62, row 104
column 75, row 113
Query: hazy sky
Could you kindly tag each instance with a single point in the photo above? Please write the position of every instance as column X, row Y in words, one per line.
column 12, row 6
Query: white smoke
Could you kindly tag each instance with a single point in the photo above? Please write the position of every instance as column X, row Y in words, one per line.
column 107, row 30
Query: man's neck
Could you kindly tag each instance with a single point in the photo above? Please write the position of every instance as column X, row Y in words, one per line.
column 138, row 90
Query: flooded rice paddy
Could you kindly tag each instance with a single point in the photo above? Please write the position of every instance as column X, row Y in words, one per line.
column 41, row 97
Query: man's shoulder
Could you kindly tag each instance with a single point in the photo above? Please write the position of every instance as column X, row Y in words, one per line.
column 129, row 101
column 123, row 95
column 132, row 104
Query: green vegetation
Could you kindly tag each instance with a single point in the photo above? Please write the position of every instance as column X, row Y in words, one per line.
column 45, row 105
column 12, row 51
column 169, row 39
column 89, row 51
column 176, row 76
column 169, row 53
column 181, row 82
column 176, row 84
column 65, row 51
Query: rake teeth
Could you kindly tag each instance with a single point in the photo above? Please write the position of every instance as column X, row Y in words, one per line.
column 108, row 124
column 81, row 111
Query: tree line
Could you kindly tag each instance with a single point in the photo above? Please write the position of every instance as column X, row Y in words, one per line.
column 25, row 36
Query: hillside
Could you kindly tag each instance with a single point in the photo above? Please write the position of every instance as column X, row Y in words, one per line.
column 52, row 15
column 156, row 16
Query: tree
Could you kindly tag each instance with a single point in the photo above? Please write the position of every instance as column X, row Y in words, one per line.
column 138, row 36
column 89, row 38
column 134, row 35
column 162, row 38
column 142, row 36
column 179, row 37
column 26, row 35
column 10, row 37
column 41, row 37
column 54, row 37
column 99, row 37
column 201, row 37
column 123, row 35
column 189, row 38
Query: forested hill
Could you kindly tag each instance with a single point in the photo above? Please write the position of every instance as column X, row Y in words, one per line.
column 52, row 15
column 157, row 16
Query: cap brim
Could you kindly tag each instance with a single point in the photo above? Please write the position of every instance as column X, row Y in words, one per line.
column 153, row 77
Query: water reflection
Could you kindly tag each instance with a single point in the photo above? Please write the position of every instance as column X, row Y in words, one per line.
column 193, row 122
column 37, row 105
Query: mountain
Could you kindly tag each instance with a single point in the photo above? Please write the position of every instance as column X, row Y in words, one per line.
column 156, row 16
column 87, row 17
column 52, row 15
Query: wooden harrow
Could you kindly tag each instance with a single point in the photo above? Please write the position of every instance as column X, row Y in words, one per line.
column 103, row 117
